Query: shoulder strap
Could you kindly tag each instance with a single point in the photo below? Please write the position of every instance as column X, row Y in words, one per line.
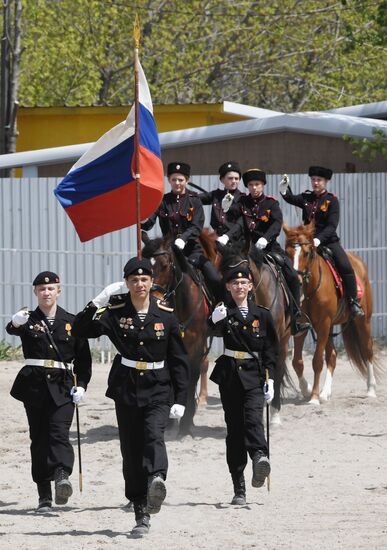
column 52, row 342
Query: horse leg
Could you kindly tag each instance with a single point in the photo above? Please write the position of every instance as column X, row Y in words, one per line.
column 318, row 359
column 203, row 391
column 367, row 343
column 330, row 359
column 186, row 423
column 275, row 418
column 298, row 365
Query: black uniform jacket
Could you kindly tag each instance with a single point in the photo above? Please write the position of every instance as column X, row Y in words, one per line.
column 219, row 220
column 258, row 331
column 156, row 339
column 180, row 216
column 256, row 218
column 323, row 209
column 33, row 384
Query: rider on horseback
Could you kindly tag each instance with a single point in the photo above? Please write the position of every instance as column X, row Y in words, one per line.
column 259, row 218
column 181, row 217
column 323, row 209
column 222, row 199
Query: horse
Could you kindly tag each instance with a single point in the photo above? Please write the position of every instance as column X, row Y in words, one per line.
column 268, row 291
column 174, row 284
column 325, row 309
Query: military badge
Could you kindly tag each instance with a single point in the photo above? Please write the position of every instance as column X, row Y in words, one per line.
column 190, row 214
column 325, row 205
column 255, row 325
column 266, row 216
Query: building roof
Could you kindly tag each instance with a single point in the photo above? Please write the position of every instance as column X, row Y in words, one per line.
column 378, row 109
column 263, row 121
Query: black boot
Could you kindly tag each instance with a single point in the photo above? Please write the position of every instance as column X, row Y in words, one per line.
column 355, row 308
column 63, row 488
column 142, row 519
column 239, row 498
column 296, row 326
column 157, row 492
column 45, row 497
column 350, row 287
column 261, row 469
column 213, row 279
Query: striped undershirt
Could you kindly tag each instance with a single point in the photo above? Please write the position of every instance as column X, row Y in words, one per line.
column 244, row 310
column 142, row 315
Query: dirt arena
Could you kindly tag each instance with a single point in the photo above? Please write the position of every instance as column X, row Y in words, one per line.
column 328, row 482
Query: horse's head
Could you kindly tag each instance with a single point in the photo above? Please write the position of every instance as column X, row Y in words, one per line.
column 160, row 253
column 300, row 248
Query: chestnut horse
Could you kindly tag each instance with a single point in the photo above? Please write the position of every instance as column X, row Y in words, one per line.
column 174, row 284
column 269, row 292
column 326, row 309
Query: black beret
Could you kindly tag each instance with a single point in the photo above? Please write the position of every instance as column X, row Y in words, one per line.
column 179, row 168
column 320, row 171
column 241, row 271
column 230, row 166
column 135, row 266
column 254, row 174
column 46, row 278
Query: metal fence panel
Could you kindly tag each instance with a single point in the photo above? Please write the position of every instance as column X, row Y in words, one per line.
column 36, row 234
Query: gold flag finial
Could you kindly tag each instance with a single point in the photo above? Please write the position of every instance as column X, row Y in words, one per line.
column 136, row 32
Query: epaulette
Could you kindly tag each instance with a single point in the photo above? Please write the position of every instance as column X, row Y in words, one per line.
column 193, row 194
column 101, row 310
column 332, row 194
column 162, row 305
column 270, row 197
column 115, row 306
column 307, row 192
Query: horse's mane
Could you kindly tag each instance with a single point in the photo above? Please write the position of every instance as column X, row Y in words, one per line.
column 207, row 240
column 294, row 233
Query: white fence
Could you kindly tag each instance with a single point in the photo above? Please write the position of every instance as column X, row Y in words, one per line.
column 36, row 234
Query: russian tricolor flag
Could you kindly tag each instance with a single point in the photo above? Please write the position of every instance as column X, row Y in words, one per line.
column 99, row 192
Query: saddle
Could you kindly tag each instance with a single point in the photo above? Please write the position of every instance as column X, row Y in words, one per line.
column 327, row 255
column 196, row 275
column 276, row 262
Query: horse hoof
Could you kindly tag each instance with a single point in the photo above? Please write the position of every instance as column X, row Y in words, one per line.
column 315, row 402
column 371, row 392
column 325, row 397
column 275, row 419
column 306, row 389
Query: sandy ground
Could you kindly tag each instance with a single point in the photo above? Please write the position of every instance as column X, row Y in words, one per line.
column 328, row 482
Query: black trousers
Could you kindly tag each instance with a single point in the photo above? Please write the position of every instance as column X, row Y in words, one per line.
column 141, row 431
column 49, row 434
column 344, row 268
column 243, row 413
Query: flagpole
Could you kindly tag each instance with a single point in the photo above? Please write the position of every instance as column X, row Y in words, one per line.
column 136, row 39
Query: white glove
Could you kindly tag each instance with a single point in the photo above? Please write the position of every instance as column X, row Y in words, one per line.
column 20, row 318
column 261, row 243
column 227, row 202
column 223, row 239
column 77, row 392
column 219, row 313
column 115, row 288
column 176, row 411
column 180, row 243
column 316, row 242
column 268, row 391
column 284, row 184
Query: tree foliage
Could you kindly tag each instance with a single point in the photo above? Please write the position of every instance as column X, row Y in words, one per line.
column 368, row 149
column 285, row 55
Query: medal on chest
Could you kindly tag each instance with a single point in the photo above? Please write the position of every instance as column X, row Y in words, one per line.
column 159, row 329
column 255, row 326
column 126, row 323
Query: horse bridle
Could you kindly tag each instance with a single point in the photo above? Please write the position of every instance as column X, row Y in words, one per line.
column 306, row 273
column 170, row 291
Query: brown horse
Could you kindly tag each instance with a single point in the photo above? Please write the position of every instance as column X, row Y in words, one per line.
column 269, row 292
column 326, row 309
column 173, row 283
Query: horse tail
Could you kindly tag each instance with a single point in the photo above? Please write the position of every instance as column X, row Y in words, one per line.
column 355, row 348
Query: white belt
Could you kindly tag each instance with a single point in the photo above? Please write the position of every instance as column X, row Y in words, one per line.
column 48, row 363
column 141, row 365
column 237, row 354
